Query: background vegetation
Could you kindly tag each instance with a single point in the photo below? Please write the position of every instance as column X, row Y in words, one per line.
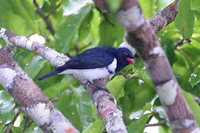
column 77, row 25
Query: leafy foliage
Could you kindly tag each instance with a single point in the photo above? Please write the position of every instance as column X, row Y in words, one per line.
column 185, row 19
column 78, row 26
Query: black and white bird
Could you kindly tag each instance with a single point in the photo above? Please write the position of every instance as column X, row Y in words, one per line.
column 95, row 63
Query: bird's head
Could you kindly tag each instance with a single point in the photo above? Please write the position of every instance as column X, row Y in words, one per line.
column 125, row 57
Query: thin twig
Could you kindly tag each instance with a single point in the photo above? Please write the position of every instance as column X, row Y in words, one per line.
column 196, row 98
column 161, row 123
column 27, row 124
column 54, row 9
column 181, row 42
column 45, row 18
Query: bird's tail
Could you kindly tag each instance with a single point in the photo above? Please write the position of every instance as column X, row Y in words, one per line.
column 54, row 72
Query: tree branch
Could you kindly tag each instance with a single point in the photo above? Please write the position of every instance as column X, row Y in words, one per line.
column 142, row 37
column 30, row 97
column 164, row 17
column 106, row 108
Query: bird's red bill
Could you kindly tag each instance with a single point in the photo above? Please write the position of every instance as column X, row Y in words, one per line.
column 131, row 60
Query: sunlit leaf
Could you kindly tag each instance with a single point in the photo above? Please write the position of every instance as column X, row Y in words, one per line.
column 164, row 129
column 20, row 11
column 116, row 86
column 96, row 127
column 148, row 7
column 138, row 125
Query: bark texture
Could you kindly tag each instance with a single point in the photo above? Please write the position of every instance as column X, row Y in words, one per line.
column 31, row 99
column 141, row 36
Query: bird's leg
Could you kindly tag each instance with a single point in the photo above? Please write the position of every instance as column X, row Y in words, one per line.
column 101, row 82
column 100, row 85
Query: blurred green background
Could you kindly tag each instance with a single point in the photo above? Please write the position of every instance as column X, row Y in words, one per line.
column 77, row 25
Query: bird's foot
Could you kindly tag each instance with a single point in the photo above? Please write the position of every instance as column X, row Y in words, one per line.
column 101, row 82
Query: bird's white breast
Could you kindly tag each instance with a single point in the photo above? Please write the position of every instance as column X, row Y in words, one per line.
column 112, row 66
column 95, row 73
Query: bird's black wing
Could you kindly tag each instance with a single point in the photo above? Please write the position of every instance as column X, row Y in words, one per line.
column 88, row 61
column 93, row 58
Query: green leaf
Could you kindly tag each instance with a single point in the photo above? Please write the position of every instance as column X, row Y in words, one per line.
column 142, row 74
column 114, row 5
column 84, row 30
column 168, row 46
column 58, row 87
column 185, row 20
column 198, row 15
column 34, row 67
column 136, row 90
column 194, row 106
column 69, row 28
column 94, row 26
column 95, row 127
column 165, row 129
column 20, row 11
column 76, row 105
column 195, row 77
column 85, row 107
column 116, row 86
column 48, row 6
column 111, row 32
column 195, row 5
column 138, row 125
column 191, row 50
column 7, row 105
column 147, row 7
column 182, row 70
column 151, row 7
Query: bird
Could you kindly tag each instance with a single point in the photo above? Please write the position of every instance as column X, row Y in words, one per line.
column 95, row 63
